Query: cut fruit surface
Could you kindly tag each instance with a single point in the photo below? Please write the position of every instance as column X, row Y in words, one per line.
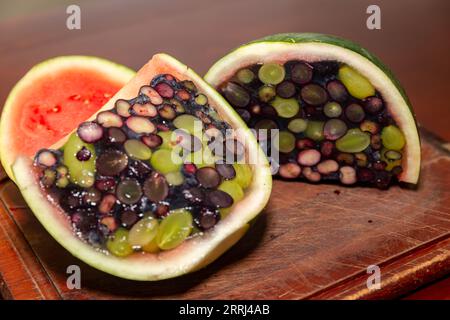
column 69, row 87
column 343, row 103
column 132, row 205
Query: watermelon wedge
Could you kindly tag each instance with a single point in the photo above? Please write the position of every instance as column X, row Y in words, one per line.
column 116, row 194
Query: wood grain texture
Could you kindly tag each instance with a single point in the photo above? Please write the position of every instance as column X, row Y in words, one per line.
column 311, row 242
column 438, row 290
column 21, row 274
column 314, row 247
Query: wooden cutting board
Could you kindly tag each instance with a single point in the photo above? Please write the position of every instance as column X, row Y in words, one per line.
column 311, row 242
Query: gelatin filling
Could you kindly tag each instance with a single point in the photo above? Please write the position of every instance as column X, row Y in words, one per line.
column 147, row 175
column 328, row 121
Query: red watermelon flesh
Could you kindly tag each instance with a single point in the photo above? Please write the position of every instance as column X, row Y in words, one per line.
column 52, row 98
column 52, row 106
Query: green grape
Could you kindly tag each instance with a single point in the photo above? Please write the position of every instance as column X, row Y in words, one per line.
column 136, row 149
column 81, row 173
column 245, row 76
column 332, row 109
column 392, row 138
column 165, row 161
column 189, row 123
column 393, row 155
column 298, row 125
column 143, row 232
column 286, row 141
column 201, row 99
column 314, row 130
column 353, row 141
column 357, row 85
column 118, row 244
column 271, row 73
column 175, row 178
column 174, row 229
column 243, row 174
column 286, row 108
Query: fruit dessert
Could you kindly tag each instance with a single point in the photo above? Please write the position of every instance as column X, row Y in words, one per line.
column 335, row 112
column 69, row 87
column 141, row 190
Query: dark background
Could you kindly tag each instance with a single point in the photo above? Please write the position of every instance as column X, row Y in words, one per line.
column 413, row 40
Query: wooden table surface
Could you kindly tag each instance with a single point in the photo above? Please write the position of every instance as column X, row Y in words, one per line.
column 413, row 41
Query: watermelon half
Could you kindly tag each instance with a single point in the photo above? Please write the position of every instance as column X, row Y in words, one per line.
column 313, row 48
column 52, row 98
